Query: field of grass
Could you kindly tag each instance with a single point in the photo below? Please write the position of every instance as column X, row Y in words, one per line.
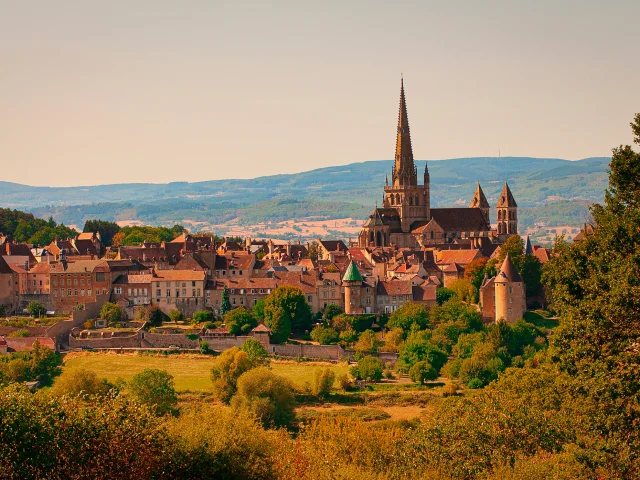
column 190, row 372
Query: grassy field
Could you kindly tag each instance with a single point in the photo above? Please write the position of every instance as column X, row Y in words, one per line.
column 190, row 372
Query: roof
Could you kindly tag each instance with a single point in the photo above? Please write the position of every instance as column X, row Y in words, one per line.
column 22, row 344
column 403, row 169
column 506, row 197
column 262, row 328
column 453, row 268
column 541, row 253
column 79, row 266
column 4, row 267
column 333, row 245
column 479, row 200
column 352, row 274
column 395, row 287
column 462, row 257
column 177, row 275
column 424, row 293
column 460, row 219
column 134, row 278
column 385, row 216
column 508, row 272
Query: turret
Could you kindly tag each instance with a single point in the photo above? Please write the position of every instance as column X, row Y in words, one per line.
column 510, row 293
column 352, row 282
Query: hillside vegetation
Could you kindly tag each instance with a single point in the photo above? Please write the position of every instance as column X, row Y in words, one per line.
column 326, row 193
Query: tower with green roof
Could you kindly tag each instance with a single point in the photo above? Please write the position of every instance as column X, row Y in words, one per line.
column 352, row 282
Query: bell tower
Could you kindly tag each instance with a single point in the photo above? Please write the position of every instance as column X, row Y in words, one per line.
column 506, row 214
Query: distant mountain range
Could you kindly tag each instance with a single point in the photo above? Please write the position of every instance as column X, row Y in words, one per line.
column 554, row 191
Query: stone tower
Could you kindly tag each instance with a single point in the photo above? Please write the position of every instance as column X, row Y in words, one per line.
column 506, row 214
column 480, row 201
column 510, row 295
column 352, row 282
column 411, row 200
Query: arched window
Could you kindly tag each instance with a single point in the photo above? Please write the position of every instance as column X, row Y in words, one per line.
column 370, row 237
column 378, row 239
column 410, row 200
column 417, row 200
column 397, row 199
column 391, row 198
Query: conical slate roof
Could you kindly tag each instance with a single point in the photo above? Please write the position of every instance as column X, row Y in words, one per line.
column 479, row 200
column 506, row 197
column 528, row 248
column 352, row 274
column 508, row 272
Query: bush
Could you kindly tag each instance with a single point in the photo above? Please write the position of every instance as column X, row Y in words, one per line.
column 204, row 346
column 154, row 388
column 323, row 382
column 20, row 333
column 475, row 383
column 267, row 395
column 175, row 315
column 421, row 372
column 111, row 312
column 240, row 321
column 88, row 324
column 202, row 316
column 345, row 382
column 443, row 295
column 331, row 311
column 36, row 309
column 324, row 335
column 80, row 382
column 226, row 370
column 369, row 368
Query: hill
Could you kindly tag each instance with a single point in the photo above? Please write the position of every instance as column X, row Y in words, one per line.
column 544, row 188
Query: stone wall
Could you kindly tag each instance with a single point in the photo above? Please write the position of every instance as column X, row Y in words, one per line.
column 105, row 342
column 44, row 299
column 320, row 352
column 224, row 343
column 159, row 340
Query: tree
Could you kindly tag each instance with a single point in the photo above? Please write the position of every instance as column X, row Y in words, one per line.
column 418, row 348
column 324, row 335
column 255, row 351
column 226, row 370
column 151, row 314
column 80, row 382
column 106, row 229
column 175, row 315
column 421, row 372
column 514, row 246
column 289, row 304
column 225, row 306
column 369, row 368
column 202, row 316
column 348, row 336
column 258, row 309
column 154, row 388
column 465, row 290
column 36, row 309
column 408, row 314
column 331, row 311
column 367, row 342
column 475, row 271
column 443, row 295
column 323, row 381
column 393, row 340
column 111, row 312
column 240, row 321
column 267, row 395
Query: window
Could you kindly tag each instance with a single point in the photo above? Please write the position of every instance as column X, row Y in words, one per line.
column 117, row 290
column 262, row 290
column 177, row 284
column 68, row 292
column 253, row 290
column 128, row 292
column 233, row 300
column 89, row 292
column 82, row 281
column 333, row 294
column 157, row 293
column 100, row 277
column 309, row 298
column 184, row 284
column 184, row 292
column 82, row 292
column 233, row 290
column 75, row 293
column 324, row 294
column 168, row 293
column 193, row 284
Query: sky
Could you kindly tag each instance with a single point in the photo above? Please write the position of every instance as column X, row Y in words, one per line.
column 95, row 92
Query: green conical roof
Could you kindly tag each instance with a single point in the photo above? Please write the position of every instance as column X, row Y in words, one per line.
column 352, row 274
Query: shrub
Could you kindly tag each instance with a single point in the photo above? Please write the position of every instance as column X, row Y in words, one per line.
column 20, row 333
column 202, row 316
column 323, row 381
column 267, row 395
column 344, row 382
column 369, row 368
column 443, row 295
column 324, row 335
column 88, row 324
column 240, row 321
column 204, row 346
column 226, row 370
column 80, row 382
column 475, row 383
column 154, row 388
column 331, row 311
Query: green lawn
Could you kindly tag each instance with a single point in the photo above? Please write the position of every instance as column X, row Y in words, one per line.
column 190, row 372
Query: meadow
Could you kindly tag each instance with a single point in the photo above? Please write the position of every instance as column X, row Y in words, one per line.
column 190, row 371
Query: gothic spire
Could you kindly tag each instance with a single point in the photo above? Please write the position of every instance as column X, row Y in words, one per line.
column 506, row 197
column 404, row 172
column 479, row 200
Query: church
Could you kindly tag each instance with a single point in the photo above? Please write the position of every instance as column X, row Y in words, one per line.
column 406, row 219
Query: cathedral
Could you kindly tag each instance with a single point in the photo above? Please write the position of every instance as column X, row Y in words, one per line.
column 406, row 218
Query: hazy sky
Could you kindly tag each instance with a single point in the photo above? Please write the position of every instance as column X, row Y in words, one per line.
column 98, row 92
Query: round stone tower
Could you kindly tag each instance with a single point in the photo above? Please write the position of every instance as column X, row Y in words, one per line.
column 352, row 282
column 510, row 293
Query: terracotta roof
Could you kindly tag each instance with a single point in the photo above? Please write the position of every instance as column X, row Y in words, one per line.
column 541, row 253
column 462, row 257
column 22, row 344
column 262, row 328
column 453, row 268
column 177, row 275
column 333, row 245
column 86, row 235
column 80, row 266
column 508, row 272
column 4, row 267
column 134, row 278
column 395, row 287
column 424, row 293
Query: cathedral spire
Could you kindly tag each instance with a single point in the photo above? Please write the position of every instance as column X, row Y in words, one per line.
column 479, row 200
column 404, row 171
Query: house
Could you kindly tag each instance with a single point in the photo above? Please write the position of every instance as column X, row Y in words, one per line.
column 182, row 290
column 392, row 294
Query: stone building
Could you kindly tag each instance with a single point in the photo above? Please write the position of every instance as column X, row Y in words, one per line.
column 503, row 297
column 406, row 218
